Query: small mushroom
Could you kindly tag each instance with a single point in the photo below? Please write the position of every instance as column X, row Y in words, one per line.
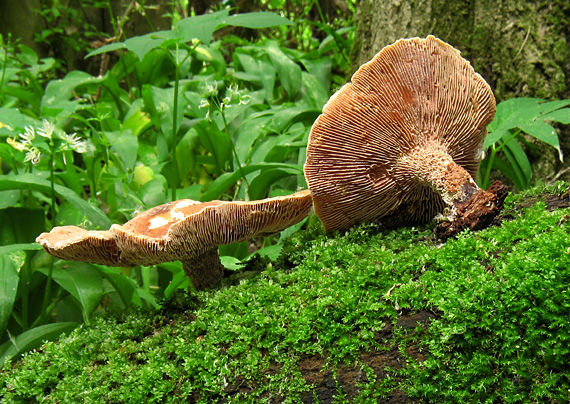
column 184, row 230
column 402, row 141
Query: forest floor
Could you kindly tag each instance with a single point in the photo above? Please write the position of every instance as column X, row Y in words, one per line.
column 326, row 383
column 366, row 316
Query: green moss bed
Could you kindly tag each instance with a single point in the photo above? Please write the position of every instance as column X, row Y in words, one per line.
column 366, row 316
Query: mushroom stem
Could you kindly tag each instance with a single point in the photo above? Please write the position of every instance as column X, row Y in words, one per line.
column 432, row 165
column 204, row 270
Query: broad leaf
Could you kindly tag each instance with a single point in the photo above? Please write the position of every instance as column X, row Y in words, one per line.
column 10, row 264
column 519, row 162
column 20, row 225
column 226, row 180
column 517, row 112
column 123, row 285
column 545, row 133
column 32, row 339
column 56, row 99
column 217, row 142
column 14, row 119
column 257, row 20
column 125, row 146
column 288, row 71
column 201, row 27
column 82, row 281
column 35, row 183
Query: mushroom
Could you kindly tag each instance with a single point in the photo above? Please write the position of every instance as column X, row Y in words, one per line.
column 184, row 230
column 73, row 243
column 402, row 141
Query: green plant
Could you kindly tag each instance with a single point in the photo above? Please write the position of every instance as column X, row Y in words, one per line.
column 515, row 118
column 239, row 131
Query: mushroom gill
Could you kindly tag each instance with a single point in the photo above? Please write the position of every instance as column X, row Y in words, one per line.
column 402, row 141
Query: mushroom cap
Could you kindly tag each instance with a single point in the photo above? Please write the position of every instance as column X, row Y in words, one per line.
column 185, row 229
column 73, row 243
column 414, row 94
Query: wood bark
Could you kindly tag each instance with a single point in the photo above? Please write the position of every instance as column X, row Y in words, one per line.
column 519, row 47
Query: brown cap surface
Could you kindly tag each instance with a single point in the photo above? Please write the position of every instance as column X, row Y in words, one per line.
column 185, row 229
column 76, row 244
column 415, row 95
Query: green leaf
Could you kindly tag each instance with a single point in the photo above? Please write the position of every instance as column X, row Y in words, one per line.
column 272, row 251
column 141, row 45
column 125, row 146
column 201, row 27
column 263, row 72
column 231, row 262
column 10, row 264
column 545, row 133
column 519, row 162
column 288, row 71
column 107, row 48
column 320, row 69
column 123, row 285
column 217, row 142
column 257, row 20
column 179, row 278
column 314, row 92
column 152, row 193
column 136, row 121
column 58, row 92
column 82, row 281
column 561, row 115
column 516, row 112
column 13, row 118
column 260, row 185
column 287, row 116
column 250, row 131
column 159, row 102
column 7, row 249
column 32, row 339
column 226, row 180
column 20, row 225
column 35, row 183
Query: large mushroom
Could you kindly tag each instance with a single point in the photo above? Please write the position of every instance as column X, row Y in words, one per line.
column 402, row 141
column 184, row 230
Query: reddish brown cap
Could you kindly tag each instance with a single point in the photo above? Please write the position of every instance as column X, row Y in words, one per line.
column 184, row 230
column 401, row 140
column 76, row 244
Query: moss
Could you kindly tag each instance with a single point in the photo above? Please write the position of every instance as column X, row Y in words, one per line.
column 480, row 318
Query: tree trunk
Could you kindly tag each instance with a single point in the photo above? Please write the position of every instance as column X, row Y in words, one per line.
column 20, row 19
column 519, row 47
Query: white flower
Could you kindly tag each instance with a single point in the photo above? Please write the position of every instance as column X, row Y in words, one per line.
column 33, row 155
column 245, row 99
column 85, row 146
column 28, row 136
column 233, row 89
column 47, row 129
column 212, row 88
column 204, row 104
column 71, row 141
